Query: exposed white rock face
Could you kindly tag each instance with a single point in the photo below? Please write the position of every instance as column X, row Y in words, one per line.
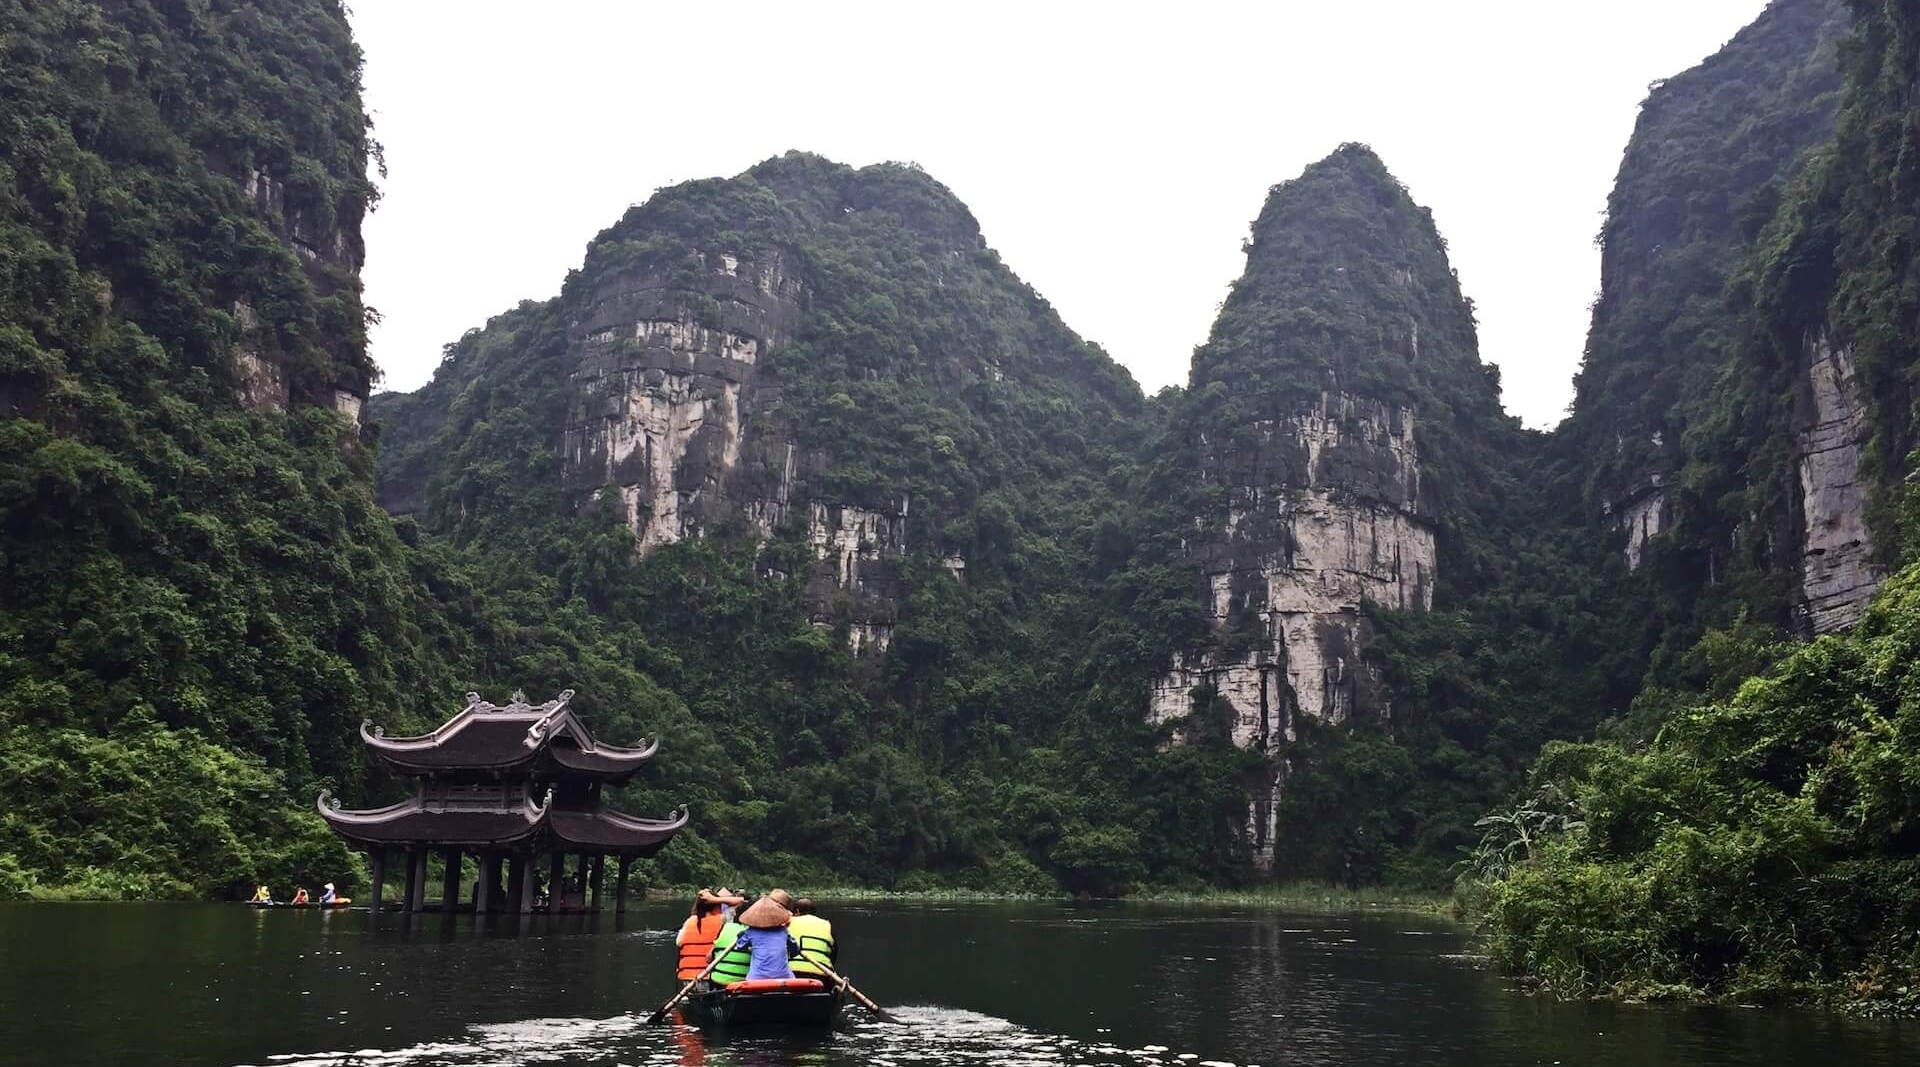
column 263, row 385
column 686, row 337
column 662, row 400
column 1252, row 689
column 1643, row 517
column 1837, row 572
column 848, row 536
column 1324, row 512
column 667, row 411
column 770, row 512
column 858, row 571
column 349, row 403
column 866, row 637
column 660, row 424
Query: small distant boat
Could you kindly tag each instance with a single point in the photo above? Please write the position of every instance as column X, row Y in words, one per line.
column 795, row 1002
column 338, row 902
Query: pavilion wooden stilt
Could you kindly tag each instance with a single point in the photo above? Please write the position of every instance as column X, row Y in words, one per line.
column 377, row 859
column 417, row 881
column 599, row 876
column 519, row 898
column 412, row 876
column 483, row 887
column 450, row 882
column 620, row 887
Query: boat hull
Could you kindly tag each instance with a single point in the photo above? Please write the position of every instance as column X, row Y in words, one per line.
column 715, row 1008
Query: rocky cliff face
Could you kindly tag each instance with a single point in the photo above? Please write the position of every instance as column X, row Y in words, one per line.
column 1314, row 492
column 669, row 407
column 658, row 401
column 1838, row 573
column 1709, row 155
column 732, row 365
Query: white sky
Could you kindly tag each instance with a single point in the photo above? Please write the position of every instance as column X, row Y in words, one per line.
column 1114, row 155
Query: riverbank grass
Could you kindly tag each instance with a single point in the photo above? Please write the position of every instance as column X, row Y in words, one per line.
column 1300, row 896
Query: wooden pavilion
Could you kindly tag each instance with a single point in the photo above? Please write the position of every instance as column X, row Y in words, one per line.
column 507, row 784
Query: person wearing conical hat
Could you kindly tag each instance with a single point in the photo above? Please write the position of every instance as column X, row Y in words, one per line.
column 765, row 938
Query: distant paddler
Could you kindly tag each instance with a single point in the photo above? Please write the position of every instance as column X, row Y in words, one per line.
column 299, row 897
column 262, row 896
column 330, row 899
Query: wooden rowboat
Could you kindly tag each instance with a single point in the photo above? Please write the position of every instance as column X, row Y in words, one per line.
column 792, row 1002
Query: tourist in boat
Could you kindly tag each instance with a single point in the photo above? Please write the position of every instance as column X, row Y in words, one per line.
column 698, row 934
column 261, row 895
column 300, row 897
column 327, row 895
column 814, row 936
column 733, row 960
column 765, row 938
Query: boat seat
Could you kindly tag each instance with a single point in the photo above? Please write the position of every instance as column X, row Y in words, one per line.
column 777, row 985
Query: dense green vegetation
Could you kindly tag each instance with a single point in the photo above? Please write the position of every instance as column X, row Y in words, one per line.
column 1666, row 408
column 200, row 598
column 1764, row 846
column 988, row 749
column 1761, row 845
column 197, row 601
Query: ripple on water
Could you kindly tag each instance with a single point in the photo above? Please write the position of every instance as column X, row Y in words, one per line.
column 928, row 1037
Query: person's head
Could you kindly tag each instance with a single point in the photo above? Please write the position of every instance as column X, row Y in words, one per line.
column 803, row 906
column 782, row 898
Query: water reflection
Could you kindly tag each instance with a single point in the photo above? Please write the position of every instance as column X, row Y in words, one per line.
column 930, row 1036
column 1032, row 985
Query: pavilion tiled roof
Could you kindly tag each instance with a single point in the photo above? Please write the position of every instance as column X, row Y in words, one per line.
column 418, row 821
column 612, row 831
column 517, row 737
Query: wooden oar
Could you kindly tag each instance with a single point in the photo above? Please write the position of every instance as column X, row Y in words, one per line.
column 879, row 1012
column 684, row 990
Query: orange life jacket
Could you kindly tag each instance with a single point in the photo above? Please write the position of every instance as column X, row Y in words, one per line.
column 698, row 944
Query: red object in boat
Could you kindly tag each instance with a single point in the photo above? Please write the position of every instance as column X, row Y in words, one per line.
column 777, row 985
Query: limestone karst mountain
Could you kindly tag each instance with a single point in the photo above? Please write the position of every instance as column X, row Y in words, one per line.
column 916, row 585
column 199, row 598
column 1344, row 358
column 805, row 347
column 1712, row 155
column 1760, row 845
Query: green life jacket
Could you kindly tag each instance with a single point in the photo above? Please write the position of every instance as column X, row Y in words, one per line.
column 815, row 936
column 734, row 960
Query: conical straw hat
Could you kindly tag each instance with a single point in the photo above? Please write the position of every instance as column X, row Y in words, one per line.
column 765, row 914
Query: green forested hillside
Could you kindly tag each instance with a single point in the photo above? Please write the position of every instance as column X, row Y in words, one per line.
column 987, row 747
column 914, row 584
column 198, row 600
column 1762, row 845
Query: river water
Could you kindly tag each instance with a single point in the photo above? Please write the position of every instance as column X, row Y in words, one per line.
column 1029, row 985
